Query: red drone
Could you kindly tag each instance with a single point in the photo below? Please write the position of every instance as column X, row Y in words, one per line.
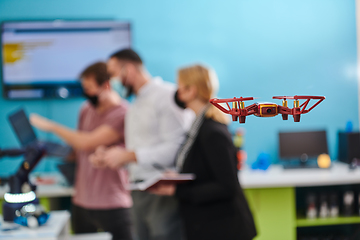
column 238, row 108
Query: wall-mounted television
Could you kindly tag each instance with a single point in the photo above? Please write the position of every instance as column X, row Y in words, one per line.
column 43, row 59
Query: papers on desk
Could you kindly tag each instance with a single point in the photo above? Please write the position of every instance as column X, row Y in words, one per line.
column 162, row 178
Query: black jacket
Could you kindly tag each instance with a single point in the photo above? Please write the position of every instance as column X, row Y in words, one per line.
column 213, row 206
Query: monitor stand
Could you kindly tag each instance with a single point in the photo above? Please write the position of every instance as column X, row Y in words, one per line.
column 288, row 165
column 302, row 163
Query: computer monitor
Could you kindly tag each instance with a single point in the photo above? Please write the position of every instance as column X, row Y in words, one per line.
column 302, row 146
column 43, row 59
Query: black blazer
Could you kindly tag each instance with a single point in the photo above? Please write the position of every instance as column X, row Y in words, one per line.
column 213, row 206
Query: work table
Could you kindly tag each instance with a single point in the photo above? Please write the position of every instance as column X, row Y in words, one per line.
column 276, row 176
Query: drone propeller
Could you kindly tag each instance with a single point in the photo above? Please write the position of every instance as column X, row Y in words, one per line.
column 296, row 111
column 296, row 97
column 226, row 100
column 237, row 109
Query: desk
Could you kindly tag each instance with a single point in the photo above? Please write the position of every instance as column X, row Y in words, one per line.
column 91, row 236
column 45, row 191
column 272, row 197
column 54, row 190
column 276, row 177
column 57, row 227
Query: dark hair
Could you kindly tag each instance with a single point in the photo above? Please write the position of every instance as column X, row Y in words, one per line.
column 98, row 71
column 127, row 55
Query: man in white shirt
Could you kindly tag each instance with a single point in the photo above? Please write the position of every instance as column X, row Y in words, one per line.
column 155, row 128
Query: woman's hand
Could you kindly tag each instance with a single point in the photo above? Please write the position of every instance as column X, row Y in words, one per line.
column 41, row 123
column 163, row 189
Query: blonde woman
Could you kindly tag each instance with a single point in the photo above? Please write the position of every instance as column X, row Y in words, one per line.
column 213, row 206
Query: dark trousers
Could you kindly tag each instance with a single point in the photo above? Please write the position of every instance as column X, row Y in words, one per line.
column 115, row 221
column 156, row 217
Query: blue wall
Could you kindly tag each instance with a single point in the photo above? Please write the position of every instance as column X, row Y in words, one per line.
column 259, row 48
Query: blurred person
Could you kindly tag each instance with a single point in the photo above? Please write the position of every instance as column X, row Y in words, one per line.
column 101, row 200
column 213, row 206
column 154, row 130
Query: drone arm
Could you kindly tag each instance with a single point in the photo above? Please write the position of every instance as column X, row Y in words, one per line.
column 284, row 110
column 305, row 104
column 251, row 109
column 219, row 106
column 317, row 103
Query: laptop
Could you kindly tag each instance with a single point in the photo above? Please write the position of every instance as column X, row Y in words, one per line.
column 26, row 135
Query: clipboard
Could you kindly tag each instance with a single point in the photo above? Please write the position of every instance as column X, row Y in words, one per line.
column 177, row 178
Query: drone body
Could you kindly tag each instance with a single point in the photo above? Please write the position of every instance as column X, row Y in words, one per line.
column 239, row 111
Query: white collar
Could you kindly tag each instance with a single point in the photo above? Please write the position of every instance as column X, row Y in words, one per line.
column 148, row 86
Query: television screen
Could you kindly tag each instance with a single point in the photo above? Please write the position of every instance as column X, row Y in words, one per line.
column 296, row 145
column 43, row 59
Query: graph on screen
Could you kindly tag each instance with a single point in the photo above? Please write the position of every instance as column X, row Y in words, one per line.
column 45, row 56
